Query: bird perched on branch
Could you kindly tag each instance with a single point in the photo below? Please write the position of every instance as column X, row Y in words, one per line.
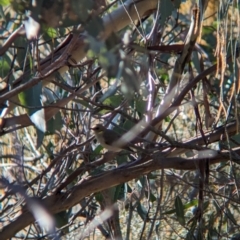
column 107, row 138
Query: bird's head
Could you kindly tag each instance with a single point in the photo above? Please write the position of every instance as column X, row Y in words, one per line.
column 98, row 128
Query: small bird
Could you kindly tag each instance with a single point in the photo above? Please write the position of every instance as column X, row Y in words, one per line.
column 107, row 137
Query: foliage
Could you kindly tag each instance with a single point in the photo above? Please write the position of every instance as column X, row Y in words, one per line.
column 162, row 76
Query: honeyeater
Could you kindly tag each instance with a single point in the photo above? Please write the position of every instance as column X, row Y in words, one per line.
column 107, row 138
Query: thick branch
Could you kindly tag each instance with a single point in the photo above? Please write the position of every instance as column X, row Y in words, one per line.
column 63, row 201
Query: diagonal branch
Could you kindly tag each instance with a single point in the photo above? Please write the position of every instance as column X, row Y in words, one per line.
column 62, row 201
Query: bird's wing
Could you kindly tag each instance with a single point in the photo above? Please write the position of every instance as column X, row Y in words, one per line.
column 111, row 136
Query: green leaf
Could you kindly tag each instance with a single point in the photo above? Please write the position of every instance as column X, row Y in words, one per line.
column 141, row 105
column 196, row 62
column 142, row 211
column 98, row 197
column 167, row 8
column 2, row 15
column 113, row 101
column 122, row 158
column 193, row 203
column 51, row 32
column 55, row 123
column 230, row 216
column 128, row 188
column 234, row 143
column 4, row 2
column 152, row 197
column 40, row 137
column 23, row 55
column 186, row 206
column 61, row 219
column 95, row 154
column 50, row 149
column 31, row 99
column 179, row 211
column 4, row 65
column 167, row 119
column 119, row 192
column 84, row 103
